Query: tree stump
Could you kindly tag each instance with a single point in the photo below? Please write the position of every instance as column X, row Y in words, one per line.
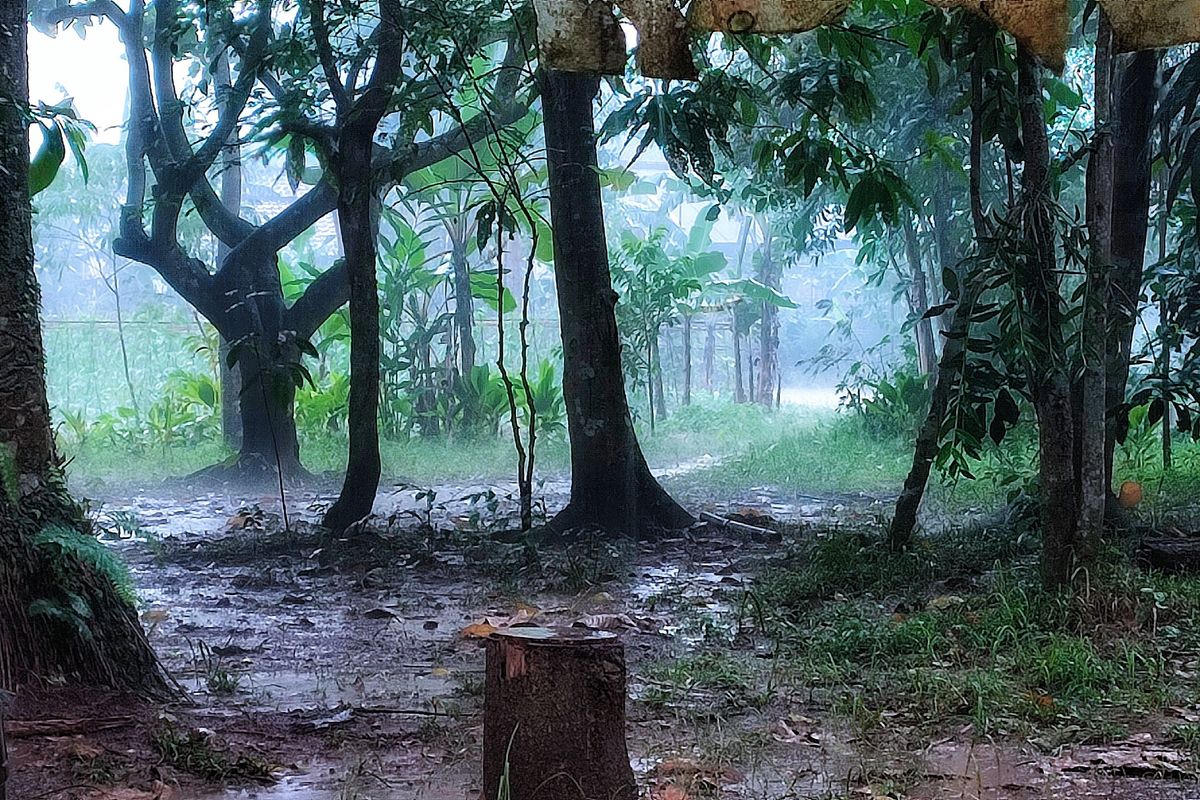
column 554, row 716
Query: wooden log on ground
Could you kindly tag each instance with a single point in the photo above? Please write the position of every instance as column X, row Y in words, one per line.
column 1171, row 553
column 554, row 716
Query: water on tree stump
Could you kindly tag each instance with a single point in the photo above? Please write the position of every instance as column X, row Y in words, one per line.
column 554, row 716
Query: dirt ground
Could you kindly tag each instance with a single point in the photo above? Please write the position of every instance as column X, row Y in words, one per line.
column 318, row 671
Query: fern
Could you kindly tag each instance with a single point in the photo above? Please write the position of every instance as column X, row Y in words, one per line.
column 61, row 542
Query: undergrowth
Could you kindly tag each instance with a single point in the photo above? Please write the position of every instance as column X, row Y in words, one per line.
column 962, row 629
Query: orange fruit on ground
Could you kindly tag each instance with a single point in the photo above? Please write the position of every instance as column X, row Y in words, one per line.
column 1130, row 494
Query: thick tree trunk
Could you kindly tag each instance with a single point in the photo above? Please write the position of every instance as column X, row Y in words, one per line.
column 61, row 615
column 554, row 717
column 267, row 413
column 1049, row 376
column 358, row 221
column 1133, row 113
column 611, row 486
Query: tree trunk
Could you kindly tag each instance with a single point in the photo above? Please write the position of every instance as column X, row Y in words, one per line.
column 768, row 326
column 739, row 391
column 656, row 378
column 230, row 165
column 1049, row 376
column 918, row 298
column 62, row 616
column 611, row 486
column 687, row 359
column 358, row 217
column 554, row 717
column 464, row 309
column 1091, row 409
column 953, row 362
column 710, row 353
column 1135, row 99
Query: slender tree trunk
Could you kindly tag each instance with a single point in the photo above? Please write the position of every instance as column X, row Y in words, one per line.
column 739, row 391
column 1133, row 111
column 230, row 165
column 919, row 301
column 1049, row 375
column 358, row 216
column 768, row 327
column 1092, row 407
column 687, row 359
column 464, row 308
column 710, row 353
column 1164, row 337
column 656, row 377
column 611, row 486
column 61, row 616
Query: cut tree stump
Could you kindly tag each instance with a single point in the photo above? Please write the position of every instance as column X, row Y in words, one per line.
column 554, row 716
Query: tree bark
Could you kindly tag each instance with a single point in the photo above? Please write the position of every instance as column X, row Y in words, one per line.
column 611, row 485
column 1091, row 409
column 739, row 391
column 357, row 217
column 919, row 301
column 768, row 326
column 464, row 308
column 61, row 616
column 710, row 353
column 554, row 717
column 687, row 359
column 230, row 166
column 1049, row 376
column 1134, row 103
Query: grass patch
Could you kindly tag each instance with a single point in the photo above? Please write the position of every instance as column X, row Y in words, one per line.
column 962, row 630
column 194, row 752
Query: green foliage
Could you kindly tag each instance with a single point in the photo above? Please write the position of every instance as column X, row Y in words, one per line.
column 194, row 751
column 62, row 552
column 885, row 631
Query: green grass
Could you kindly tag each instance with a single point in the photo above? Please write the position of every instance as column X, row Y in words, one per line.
column 962, row 630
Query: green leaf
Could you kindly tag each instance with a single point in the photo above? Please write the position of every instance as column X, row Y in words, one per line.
column 49, row 158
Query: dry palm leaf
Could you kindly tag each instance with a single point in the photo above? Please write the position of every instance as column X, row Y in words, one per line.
column 1148, row 24
column 580, row 36
column 1040, row 25
column 764, row 16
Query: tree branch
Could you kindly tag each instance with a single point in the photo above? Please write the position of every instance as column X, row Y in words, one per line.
column 341, row 99
column 328, row 292
column 69, row 13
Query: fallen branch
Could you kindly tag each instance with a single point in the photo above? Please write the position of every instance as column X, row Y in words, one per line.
column 30, row 728
column 740, row 527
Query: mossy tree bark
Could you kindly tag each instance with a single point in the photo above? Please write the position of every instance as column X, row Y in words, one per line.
column 611, row 485
column 61, row 615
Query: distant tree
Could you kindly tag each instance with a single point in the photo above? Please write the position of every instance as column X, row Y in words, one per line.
column 282, row 96
column 65, row 610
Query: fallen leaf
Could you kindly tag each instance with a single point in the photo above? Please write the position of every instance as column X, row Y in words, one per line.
column 489, row 625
